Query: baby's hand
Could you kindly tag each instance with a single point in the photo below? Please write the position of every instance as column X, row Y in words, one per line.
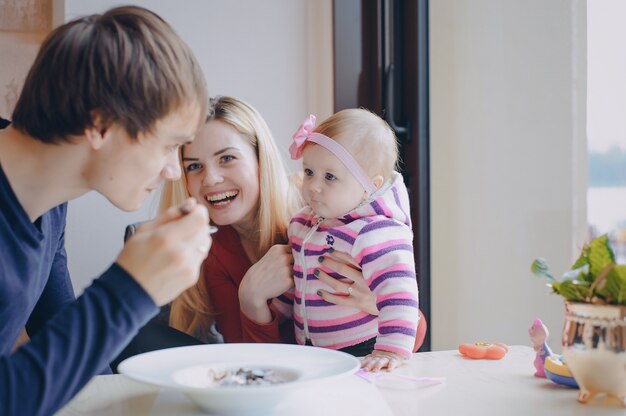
column 382, row 360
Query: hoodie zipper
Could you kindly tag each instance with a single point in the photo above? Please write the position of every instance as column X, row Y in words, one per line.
column 305, row 276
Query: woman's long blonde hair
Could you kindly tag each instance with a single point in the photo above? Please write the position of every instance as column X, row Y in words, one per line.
column 279, row 199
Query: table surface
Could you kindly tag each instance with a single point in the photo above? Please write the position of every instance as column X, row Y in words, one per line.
column 487, row 387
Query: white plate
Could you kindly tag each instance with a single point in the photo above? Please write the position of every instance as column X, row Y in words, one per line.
column 179, row 369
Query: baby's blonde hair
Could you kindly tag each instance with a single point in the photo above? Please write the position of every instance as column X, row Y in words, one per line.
column 367, row 137
column 279, row 199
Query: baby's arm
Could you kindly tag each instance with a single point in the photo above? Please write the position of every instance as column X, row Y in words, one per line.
column 389, row 269
column 382, row 360
column 282, row 306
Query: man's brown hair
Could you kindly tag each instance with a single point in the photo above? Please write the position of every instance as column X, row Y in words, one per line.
column 126, row 66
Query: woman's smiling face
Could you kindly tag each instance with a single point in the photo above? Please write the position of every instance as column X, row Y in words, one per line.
column 222, row 171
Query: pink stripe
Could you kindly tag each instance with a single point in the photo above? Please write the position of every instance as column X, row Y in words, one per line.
column 289, row 295
column 298, row 224
column 383, row 204
column 297, row 232
column 348, row 231
column 384, row 347
column 313, row 286
column 396, row 295
column 328, row 338
column 311, row 246
column 337, row 321
column 378, row 247
column 396, row 267
column 300, row 215
column 354, row 215
column 397, row 322
column 310, row 296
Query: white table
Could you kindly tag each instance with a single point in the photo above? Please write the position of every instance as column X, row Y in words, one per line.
column 472, row 387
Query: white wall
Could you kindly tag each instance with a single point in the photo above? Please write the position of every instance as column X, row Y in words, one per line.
column 508, row 160
column 275, row 54
column 508, row 84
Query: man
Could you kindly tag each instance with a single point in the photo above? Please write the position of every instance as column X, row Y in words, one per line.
column 105, row 107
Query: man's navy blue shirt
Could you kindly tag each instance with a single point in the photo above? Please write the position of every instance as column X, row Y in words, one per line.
column 71, row 339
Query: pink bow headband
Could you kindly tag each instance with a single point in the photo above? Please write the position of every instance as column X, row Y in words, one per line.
column 305, row 133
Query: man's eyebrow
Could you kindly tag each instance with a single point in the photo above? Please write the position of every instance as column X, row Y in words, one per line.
column 184, row 138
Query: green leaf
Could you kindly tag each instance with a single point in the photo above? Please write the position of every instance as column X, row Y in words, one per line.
column 583, row 259
column 573, row 290
column 594, row 277
column 555, row 287
column 600, row 255
column 540, row 268
column 616, row 284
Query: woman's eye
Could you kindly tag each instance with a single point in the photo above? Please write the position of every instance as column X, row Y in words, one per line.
column 193, row 166
column 227, row 158
column 330, row 177
column 308, row 172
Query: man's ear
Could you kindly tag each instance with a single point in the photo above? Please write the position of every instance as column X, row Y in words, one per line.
column 378, row 181
column 96, row 134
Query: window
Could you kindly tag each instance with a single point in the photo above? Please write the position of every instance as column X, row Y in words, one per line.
column 606, row 102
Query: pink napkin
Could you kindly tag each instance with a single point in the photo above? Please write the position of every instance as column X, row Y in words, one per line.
column 398, row 380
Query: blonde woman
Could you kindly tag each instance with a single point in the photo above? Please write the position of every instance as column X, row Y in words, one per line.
column 234, row 168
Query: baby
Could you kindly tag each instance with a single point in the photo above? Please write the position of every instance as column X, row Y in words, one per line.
column 358, row 204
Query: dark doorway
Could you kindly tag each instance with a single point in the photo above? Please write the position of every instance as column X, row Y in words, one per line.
column 381, row 63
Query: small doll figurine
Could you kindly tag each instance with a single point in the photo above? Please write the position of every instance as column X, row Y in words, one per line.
column 538, row 336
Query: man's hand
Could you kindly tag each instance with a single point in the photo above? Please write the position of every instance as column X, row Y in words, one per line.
column 164, row 255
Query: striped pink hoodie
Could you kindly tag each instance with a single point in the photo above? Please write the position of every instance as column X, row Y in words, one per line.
column 378, row 235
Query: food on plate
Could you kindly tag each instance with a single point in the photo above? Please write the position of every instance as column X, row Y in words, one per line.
column 244, row 377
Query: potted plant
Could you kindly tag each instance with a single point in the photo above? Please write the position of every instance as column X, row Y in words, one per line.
column 594, row 333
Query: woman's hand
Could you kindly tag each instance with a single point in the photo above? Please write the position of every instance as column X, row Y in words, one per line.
column 355, row 294
column 269, row 277
column 382, row 360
